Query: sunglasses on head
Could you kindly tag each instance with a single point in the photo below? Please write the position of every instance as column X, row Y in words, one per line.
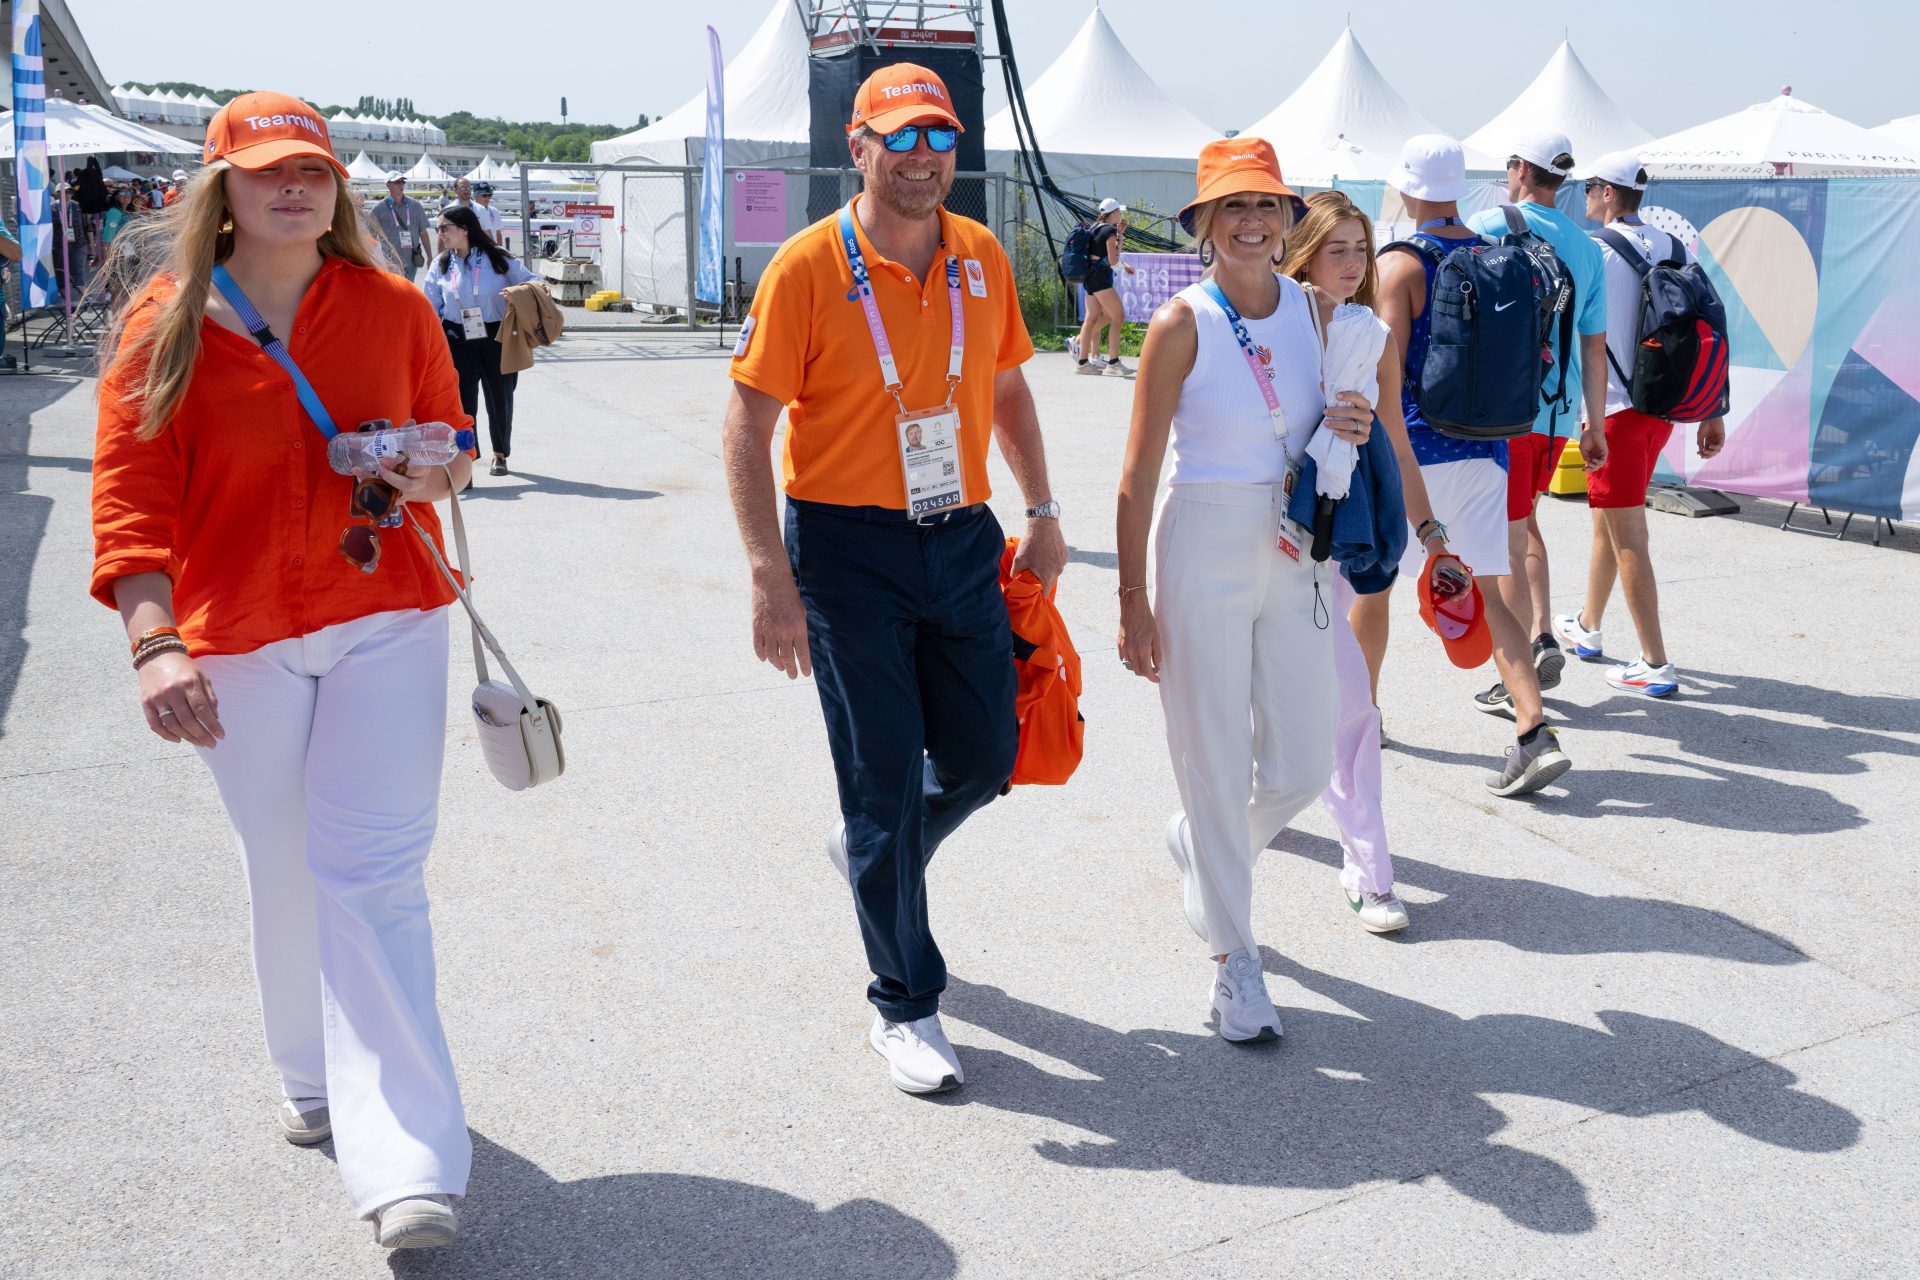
column 906, row 137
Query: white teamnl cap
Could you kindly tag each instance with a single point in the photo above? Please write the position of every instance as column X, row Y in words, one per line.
column 1620, row 169
column 1551, row 151
column 1109, row 205
column 1432, row 167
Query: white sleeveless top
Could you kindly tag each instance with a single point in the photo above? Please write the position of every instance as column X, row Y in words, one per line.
column 1221, row 430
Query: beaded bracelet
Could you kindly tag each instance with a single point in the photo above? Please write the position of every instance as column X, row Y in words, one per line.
column 155, row 647
column 153, row 633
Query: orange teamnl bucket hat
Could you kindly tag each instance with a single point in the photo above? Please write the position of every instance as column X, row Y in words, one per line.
column 1237, row 164
column 255, row 130
column 901, row 94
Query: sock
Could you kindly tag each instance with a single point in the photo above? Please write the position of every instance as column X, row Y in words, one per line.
column 1532, row 735
column 1545, row 639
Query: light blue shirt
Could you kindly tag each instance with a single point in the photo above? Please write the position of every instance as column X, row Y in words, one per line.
column 472, row 282
column 1584, row 265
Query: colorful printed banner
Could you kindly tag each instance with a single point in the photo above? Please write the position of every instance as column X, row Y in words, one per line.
column 1821, row 279
column 30, row 162
column 710, row 271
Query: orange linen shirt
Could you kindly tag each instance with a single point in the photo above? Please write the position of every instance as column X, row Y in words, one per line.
column 806, row 343
column 234, row 500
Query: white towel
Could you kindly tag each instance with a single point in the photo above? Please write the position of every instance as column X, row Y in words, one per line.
column 1355, row 339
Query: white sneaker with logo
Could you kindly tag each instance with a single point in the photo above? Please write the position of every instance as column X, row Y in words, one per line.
column 919, row 1058
column 418, row 1222
column 1073, row 347
column 1571, row 632
column 1244, row 1013
column 1639, row 676
column 1378, row 912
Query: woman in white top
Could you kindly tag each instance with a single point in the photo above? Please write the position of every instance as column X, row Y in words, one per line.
column 465, row 284
column 1236, row 633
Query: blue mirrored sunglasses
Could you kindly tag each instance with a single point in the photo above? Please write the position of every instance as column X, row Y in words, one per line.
column 907, row 137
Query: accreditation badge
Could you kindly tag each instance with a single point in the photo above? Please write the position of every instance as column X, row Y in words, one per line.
column 930, row 460
column 406, row 241
column 472, row 323
column 1291, row 536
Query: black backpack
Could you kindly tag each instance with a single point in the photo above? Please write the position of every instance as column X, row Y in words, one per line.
column 1073, row 257
column 1491, row 318
column 1680, row 351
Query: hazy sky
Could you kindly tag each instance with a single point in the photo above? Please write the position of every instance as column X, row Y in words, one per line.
column 1229, row 61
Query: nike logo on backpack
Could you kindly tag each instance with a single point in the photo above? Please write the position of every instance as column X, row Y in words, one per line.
column 1501, row 306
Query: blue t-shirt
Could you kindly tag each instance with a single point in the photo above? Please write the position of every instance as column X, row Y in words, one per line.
column 1430, row 447
column 1584, row 265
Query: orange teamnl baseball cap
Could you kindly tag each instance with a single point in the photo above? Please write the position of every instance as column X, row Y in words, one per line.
column 255, row 130
column 1460, row 621
column 901, row 94
column 1237, row 164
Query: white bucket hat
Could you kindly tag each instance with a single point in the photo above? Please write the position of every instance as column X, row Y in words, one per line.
column 1432, row 167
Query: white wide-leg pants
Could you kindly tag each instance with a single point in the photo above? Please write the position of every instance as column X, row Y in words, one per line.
column 1246, row 684
column 1352, row 796
column 330, row 772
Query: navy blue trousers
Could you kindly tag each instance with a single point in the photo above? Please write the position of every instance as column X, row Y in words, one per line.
column 913, row 658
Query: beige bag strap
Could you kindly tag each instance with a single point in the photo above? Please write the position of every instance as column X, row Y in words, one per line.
column 481, row 635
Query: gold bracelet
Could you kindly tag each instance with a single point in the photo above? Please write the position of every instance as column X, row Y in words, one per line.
column 1124, row 592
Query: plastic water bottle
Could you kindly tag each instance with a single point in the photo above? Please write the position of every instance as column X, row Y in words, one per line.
column 424, row 444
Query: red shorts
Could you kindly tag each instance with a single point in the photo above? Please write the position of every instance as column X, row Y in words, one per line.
column 1634, row 441
column 1530, row 462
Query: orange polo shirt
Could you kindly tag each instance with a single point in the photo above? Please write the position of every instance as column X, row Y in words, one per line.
column 806, row 343
column 234, row 500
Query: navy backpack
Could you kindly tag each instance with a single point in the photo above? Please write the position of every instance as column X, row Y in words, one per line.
column 1073, row 257
column 1491, row 320
column 1680, row 351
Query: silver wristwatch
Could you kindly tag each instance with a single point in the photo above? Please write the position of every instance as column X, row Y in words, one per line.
column 1048, row 510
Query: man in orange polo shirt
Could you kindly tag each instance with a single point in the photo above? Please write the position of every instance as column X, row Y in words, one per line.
column 891, row 334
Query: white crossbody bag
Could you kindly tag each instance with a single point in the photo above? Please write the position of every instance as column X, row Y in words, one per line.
column 519, row 733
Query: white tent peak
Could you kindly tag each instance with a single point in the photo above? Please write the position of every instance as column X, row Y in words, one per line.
column 1347, row 97
column 1566, row 97
column 1784, row 135
column 1097, row 100
column 766, row 93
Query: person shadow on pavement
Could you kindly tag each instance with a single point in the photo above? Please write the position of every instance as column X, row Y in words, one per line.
column 1386, row 1089
column 518, row 1221
column 1551, row 919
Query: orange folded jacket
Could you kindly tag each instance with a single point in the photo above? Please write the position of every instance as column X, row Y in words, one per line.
column 1052, row 731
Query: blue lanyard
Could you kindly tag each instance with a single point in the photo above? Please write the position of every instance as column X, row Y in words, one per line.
column 1262, row 375
column 249, row 316
column 1431, row 223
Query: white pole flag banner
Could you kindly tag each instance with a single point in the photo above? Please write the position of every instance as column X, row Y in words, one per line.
column 30, row 157
column 710, row 274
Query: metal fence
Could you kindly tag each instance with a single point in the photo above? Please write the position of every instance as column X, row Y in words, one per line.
column 650, row 251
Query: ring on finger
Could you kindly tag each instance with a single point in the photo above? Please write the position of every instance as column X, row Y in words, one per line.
column 166, row 712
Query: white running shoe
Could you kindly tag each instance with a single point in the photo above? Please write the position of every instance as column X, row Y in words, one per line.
column 1378, row 912
column 1073, row 347
column 1573, row 633
column 1180, row 846
column 1639, row 676
column 1092, row 367
column 418, row 1222
column 1246, row 1014
column 1117, row 369
column 837, row 850
column 918, row 1056
column 305, row 1121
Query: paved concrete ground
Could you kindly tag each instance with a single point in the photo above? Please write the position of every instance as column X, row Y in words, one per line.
column 1658, row 1020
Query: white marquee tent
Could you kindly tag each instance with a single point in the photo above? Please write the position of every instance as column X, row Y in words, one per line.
column 1104, row 126
column 75, row 128
column 1905, row 130
column 1347, row 118
column 425, row 170
column 364, row 170
column 1566, row 97
column 1785, row 137
column 767, row 122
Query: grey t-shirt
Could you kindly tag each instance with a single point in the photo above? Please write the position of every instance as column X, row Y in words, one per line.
column 411, row 217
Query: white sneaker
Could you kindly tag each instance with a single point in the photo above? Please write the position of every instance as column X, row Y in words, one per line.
column 918, row 1056
column 418, row 1222
column 1180, row 846
column 1073, row 347
column 1378, row 912
column 1117, row 369
column 1640, row 676
column 1246, row 1014
column 305, row 1121
column 1092, row 367
column 837, row 850
column 1571, row 632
